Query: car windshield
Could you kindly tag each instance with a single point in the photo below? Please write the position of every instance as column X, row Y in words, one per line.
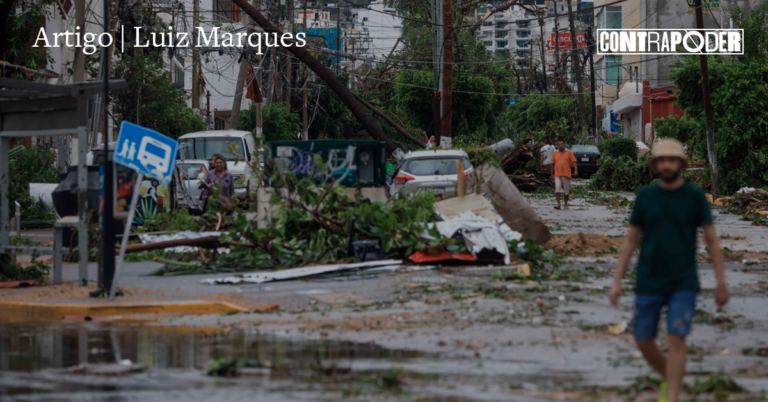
column 231, row 148
column 434, row 166
column 585, row 148
column 191, row 170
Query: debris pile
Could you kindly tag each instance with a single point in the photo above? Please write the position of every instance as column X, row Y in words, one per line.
column 585, row 244
column 524, row 168
column 752, row 203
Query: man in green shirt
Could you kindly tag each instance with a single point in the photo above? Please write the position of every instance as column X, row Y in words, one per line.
column 668, row 214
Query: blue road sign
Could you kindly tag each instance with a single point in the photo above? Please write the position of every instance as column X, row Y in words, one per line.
column 146, row 151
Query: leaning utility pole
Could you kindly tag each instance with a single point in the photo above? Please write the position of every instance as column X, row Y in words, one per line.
column 557, row 45
column 195, row 57
column 333, row 82
column 576, row 64
column 710, row 119
column 447, row 122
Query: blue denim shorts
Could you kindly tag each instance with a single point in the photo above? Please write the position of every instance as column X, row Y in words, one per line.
column 680, row 304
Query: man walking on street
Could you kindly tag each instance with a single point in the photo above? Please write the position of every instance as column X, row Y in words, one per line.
column 562, row 162
column 668, row 214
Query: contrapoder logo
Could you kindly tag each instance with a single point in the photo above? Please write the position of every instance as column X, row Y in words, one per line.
column 670, row 41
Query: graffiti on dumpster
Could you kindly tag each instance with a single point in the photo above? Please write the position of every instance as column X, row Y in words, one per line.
column 339, row 163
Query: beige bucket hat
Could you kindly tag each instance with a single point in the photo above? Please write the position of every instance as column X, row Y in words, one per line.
column 668, row 147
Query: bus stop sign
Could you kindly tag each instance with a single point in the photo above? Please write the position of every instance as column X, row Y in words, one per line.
column 146, row 151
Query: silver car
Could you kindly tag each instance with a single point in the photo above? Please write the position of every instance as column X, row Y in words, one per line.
column 433, row 170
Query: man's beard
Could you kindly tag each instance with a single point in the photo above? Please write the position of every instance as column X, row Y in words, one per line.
column 669, row 175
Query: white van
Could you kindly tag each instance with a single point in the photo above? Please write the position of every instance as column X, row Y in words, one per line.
column 237, row 147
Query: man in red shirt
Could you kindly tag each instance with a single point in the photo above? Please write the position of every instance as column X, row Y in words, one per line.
column 562, row 162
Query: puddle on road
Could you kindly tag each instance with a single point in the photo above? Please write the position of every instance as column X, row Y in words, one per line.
column 24, row 348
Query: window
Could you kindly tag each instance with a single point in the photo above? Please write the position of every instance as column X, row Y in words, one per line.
column 226, row 11
column 501, row 34
column 522, row 43
column 502, row 44
column 487, row 43
column 613, row 17
column 613, row 70
column 501, row 25
column 428, row 167
column 204, row 148
column 488, row 23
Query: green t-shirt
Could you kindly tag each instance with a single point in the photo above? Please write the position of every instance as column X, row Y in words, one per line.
column 669, row 220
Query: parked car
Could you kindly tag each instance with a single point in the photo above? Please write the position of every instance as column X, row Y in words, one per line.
column 237, row 147
column 433, row 170
column 586, row 159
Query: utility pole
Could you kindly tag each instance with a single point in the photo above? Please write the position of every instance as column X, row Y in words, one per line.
column 437, row 40
column 238, row 99
column 447, row 123
column 288, row 64
column 338, row 38
column 79, row 75
column 557, row 44
column 710, row 119
column 591, row 50
column 543, row 53
column 195, row 57
column 304, row 117
column 576, row 64
column 207, row 108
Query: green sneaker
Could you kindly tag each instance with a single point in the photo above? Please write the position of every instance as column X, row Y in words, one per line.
column 663, row 392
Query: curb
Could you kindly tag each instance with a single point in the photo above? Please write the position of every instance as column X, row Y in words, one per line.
column 20, row 311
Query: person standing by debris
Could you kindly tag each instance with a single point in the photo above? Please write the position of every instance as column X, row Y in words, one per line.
column 562, row 162
column 668, row 214
column 431, row 142
column 218, row 175
column 546, row 153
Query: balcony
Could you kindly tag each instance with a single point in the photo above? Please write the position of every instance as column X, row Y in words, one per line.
column 523, row 44
column 501, row 34
column 523, row 24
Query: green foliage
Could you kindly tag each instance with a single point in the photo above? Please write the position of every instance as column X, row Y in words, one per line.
column 278, row 124
column 10, row 271
column 29, row 164
column 719, row 385
column 739, row 95
column 312, row 226
column 617, row 147
column 540, row 116
column 151, row 100
column 20, row 20
column 755, row 26
column 621, row 174
column 534, row 254
column 173, row 221
column 686, row 130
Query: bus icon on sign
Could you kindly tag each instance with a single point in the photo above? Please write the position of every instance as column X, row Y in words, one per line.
column 154, row 153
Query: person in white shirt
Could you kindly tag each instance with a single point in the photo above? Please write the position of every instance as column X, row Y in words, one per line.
column 431, row 142
column 546, row 153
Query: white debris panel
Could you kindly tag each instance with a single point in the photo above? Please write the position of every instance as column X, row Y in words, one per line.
column 296, row 273
column 479, row 233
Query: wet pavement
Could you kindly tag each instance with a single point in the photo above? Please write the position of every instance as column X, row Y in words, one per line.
column 440, row 335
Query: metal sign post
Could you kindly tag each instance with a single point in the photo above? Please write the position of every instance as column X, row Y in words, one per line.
column 126, row 232
column 148, row 153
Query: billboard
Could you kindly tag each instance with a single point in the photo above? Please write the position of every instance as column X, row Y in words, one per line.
column 564, row 42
